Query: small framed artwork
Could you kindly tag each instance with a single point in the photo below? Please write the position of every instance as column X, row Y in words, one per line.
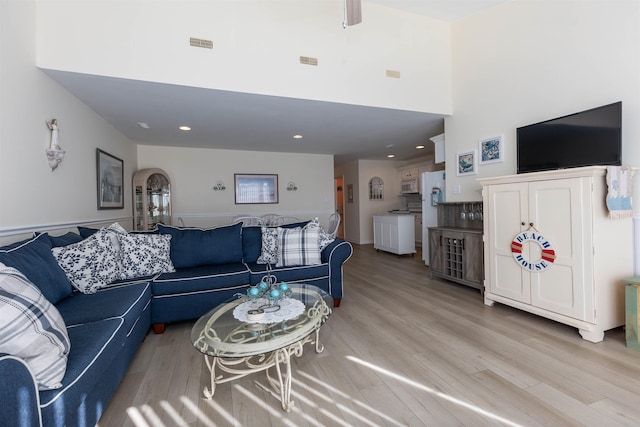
column 350, row 193
column 466, row 163
column 110, row 176
column 491, row 150
column 255, row 188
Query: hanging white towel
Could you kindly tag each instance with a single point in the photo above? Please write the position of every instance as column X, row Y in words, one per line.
column 619, row 182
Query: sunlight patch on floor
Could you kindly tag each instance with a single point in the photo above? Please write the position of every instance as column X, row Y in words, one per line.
column 344, row 396
column 310, row 403
column 263, row 405
column 439, row 394
column 219, row 409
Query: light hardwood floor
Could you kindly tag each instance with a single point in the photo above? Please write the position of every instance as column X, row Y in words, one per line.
column 402, row 350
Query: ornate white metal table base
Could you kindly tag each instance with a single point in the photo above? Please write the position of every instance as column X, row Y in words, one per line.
column 279, row 359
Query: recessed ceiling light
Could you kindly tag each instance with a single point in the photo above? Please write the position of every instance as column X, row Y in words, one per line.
column 297, row 136
column 391, row 156
column 390, row 145
column 185, row 128
column 143, row 125
column 419, row 147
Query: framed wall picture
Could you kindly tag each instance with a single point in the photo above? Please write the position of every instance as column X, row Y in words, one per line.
column 349, row 193
column 491, row 150
column 467, row 163
column 255, row 188
column 110, row 176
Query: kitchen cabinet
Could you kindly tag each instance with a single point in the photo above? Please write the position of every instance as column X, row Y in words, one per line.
column 409, row 173
column 456, row 254
column 552, row 250
column 152, row 199
column 394, row 233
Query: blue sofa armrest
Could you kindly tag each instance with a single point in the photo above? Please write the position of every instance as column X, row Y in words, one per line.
column 18, row 393
column 336, row 254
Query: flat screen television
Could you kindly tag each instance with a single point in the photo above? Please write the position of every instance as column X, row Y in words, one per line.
column 587, row 138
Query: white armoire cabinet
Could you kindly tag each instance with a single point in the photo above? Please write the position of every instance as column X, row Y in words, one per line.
column 564, row 214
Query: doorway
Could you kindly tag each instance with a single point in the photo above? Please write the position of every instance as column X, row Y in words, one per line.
column 339, row 194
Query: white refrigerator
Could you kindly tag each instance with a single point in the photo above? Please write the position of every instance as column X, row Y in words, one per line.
column 432, row 193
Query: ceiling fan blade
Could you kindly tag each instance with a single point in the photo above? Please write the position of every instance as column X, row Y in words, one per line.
column 354, row 12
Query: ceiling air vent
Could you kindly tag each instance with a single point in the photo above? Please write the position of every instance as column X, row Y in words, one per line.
column 393, row 74
column 306, row 60
column 207, row 44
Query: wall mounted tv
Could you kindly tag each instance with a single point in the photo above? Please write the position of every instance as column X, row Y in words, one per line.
column 588, row 138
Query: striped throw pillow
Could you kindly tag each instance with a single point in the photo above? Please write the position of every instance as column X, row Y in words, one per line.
column 298, row 246
column 32, row 329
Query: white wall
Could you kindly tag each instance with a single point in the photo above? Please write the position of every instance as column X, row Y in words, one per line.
column 351, row 215
column 529, row 61
column 368, row 208
column 358, row 215
column 194, row 172
column 256, row 48
column 31, row 196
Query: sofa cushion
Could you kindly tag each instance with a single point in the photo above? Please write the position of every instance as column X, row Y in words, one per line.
column 144, row 255
column 192, row 247
column 65, row 239
column 251, row 243
column 202, row 278
column 127, row 300
column 48, row 277
column 191, row 292
column 93, row 346
column 298, row 246
column 310, row 274
column 32, row 328
column 87, row 231
column 92, row 263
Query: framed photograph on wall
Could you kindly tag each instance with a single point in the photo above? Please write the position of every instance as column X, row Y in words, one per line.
column 467, row 163
column 491, row 150
column 255, row 188
column 110, row 176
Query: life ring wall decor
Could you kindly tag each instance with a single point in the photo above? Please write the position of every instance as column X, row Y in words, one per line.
column 548, row 254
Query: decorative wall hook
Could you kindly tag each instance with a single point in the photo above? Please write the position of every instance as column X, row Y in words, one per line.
column 219, row 186
column 54, row 153
column 292, row 186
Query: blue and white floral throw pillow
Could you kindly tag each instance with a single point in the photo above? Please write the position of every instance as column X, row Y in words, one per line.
column 92, row 263
column 145, row 255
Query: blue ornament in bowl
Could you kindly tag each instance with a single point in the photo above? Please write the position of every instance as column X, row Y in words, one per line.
column 254, row 292
column 284, row 287
column 274, row 293
column 263, row 286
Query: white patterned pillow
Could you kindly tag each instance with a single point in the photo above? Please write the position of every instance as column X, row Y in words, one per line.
column 269, row 251
column 92, row 263
column 144, row 255
column 324, row 239
column 298, row 246
column 32, row 329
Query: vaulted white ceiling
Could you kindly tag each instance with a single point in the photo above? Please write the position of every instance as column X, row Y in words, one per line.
column 241, row 121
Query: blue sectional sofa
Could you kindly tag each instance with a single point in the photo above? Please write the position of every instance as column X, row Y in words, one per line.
column 106, row 328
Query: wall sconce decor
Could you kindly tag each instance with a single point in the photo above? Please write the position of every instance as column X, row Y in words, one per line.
column 292, row 186
column 54, row 153
column 219, row 186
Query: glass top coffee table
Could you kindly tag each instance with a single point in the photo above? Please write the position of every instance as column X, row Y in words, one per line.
column 234, row 348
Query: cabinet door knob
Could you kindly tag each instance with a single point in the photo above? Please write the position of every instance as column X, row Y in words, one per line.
column 522, row 223
column 530, row 224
